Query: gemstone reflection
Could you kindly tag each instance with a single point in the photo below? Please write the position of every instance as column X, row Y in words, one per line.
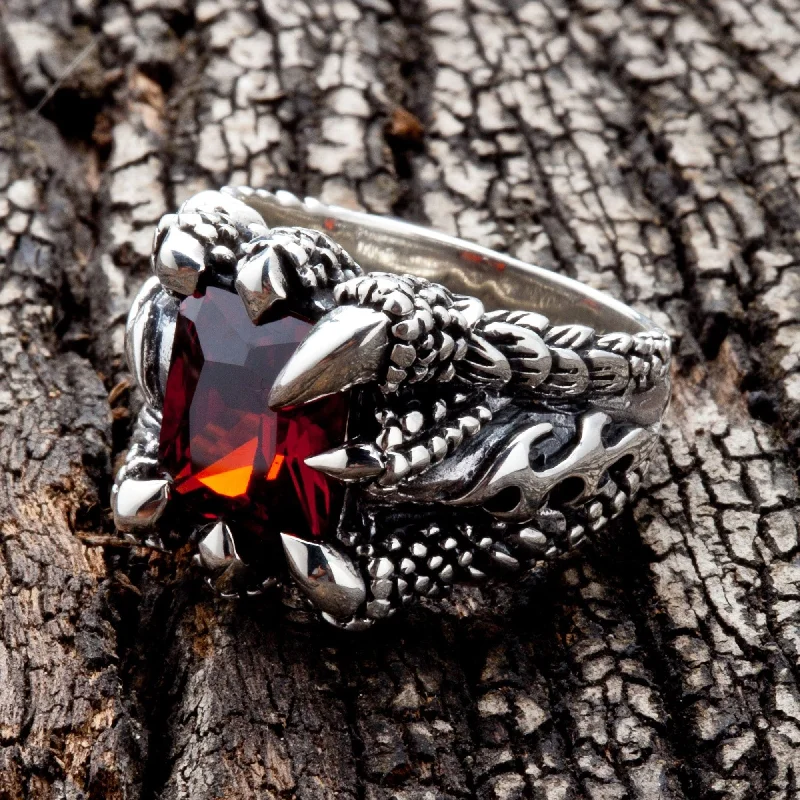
column 228, row 453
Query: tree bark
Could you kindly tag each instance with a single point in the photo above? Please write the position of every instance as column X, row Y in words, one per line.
column 647, row 147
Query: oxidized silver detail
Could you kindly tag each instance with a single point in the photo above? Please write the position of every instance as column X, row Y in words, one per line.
column 588, row 461
column 148, row 339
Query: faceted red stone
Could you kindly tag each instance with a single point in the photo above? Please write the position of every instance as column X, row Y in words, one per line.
column 228, row 453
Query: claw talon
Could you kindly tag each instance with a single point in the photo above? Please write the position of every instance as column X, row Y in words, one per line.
column 261, row 282
column 352, row 462
column 139, row 503
column 346, row 347
column 327, row 576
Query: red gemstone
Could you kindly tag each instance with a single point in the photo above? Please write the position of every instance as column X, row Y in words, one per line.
column 228, row 453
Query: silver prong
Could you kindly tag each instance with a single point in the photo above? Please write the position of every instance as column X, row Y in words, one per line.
column 346, row 347
column 138, row 504
column 217, row 549
column 326, row 575
column 149, row 334
column 179, row 261
column 261, row 282
column 349, row 463
column 228, row 575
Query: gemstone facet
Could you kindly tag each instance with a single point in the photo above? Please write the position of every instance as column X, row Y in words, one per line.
column 228, row 453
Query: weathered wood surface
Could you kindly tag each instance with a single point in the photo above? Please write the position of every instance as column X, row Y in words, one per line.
column 648, row 147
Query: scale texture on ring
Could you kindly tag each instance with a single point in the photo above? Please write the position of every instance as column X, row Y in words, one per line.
column 374, row 436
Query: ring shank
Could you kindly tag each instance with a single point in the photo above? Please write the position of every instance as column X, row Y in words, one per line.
column 384, row 244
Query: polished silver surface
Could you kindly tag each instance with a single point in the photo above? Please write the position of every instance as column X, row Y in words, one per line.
column 239, row 214
column 260, row 282
column 179, row 260
column 349, row 463
column 384, row 244
column 226, row 573
column 344, row 348
column 148, row 339
column 217, row 549
column 515, row 407
column 586, row 464
column 529, row 358
column 484, row 363
column 328, row 576
column 139, row 504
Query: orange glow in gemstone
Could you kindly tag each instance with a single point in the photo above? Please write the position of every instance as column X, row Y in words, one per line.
column 275, row 467
column 230, row 476
column 232, row 483
column 229, row 453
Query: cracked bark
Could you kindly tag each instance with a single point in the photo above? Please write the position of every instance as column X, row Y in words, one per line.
column 647, row 147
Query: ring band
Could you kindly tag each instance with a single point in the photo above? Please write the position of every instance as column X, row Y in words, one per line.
column 373, row 411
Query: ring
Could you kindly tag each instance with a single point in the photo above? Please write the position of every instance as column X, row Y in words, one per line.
column 372, row 411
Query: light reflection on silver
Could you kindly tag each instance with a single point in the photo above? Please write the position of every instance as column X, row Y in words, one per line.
column 149, row 335
column 217, row 549
column 179, row 261
column 391, row 245
column 349, row 463
column 328, row 576
column 139, row 504
column 260, row 283
column 345, row 348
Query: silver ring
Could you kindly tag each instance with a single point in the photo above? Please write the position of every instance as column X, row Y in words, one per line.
column 373, row 411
